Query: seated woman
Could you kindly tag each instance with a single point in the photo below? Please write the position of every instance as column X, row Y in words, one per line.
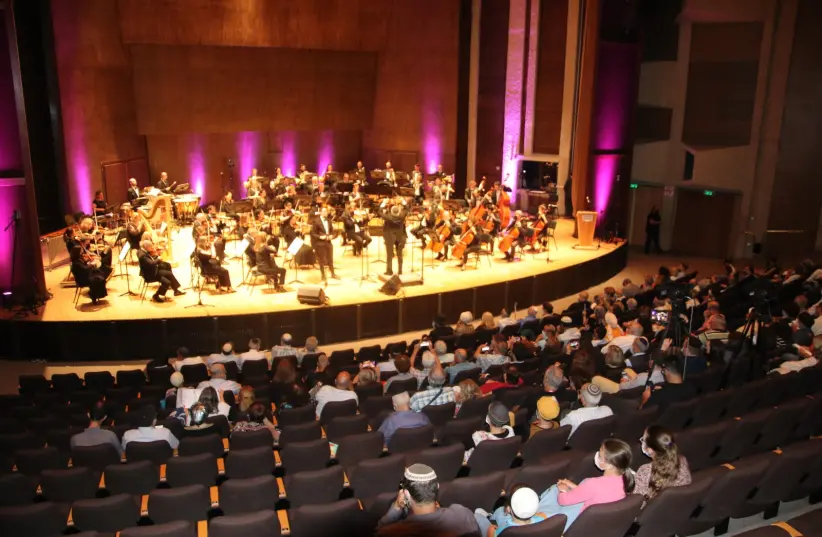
column 466, row 390
column 89, row 269
column 210, row 265
column 617, row 480
column 667, row 467
column 264, row 256
column 197, row 425
column 259, row 417
column 245, row 399
column 305, row 255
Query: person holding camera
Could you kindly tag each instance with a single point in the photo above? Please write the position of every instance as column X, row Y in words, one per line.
column 416, row 511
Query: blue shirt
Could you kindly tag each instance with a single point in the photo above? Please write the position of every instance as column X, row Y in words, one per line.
column 454, row 370
column 402, row 420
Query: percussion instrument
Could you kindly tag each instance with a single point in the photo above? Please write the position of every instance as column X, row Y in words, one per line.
column 187, row 206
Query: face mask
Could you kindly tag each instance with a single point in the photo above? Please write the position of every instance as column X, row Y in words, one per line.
column 598, row 462
column 645, row 452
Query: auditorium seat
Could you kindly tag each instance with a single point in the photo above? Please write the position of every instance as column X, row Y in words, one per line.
column 711, row 407
column 678, row 415
column 190, row 503
column 296, row 416
column 210, row 443
column 445, row 460
column 341, row 519
column 157, row 451
column 178, row 528
column 740, row 435
column 249, row 462
column 16, row 489
column 473, row 492
column 590, row 434
column 410, row 439
column 698, row 444
column 305, row 456
column 238, row 496
column 313, row 487
column 459, row 431
column 264, row 523
column 544, row 443
column 135, row 478
column 31, row 462
column 44, row 519
column 303, row 432
column 67, row 486
column 338, row 428
column 202, row 469
column 494, row 456
column 375, row 478
column 607, row 519
column 540, row 475
column 354, row 449
column 665, row 513
column 550, row 527
column 108, row 515
column 97, row 458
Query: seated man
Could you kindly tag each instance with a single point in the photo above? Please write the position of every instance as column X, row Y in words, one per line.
column 416, row 511
column 402, row 418
column 461, row 363
column 219, row 382
column 253, row 353
column 94, row 435
column 146, row 430
column 227, row 355
column 436, row 394
column 341, row 391
column 674, row 390
column 589, row 396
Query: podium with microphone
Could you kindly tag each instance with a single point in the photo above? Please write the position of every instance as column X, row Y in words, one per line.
column 586, row 226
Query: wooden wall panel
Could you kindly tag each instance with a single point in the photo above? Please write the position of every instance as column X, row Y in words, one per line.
column 553, row 22
column 722, row 77
column 653, row 123
column 305, row 24
column 796, row 199
column 702, row 223
column 230, row 89
column 491, row 88
column 99, row 124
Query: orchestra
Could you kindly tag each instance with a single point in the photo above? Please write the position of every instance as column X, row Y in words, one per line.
column 279, row 210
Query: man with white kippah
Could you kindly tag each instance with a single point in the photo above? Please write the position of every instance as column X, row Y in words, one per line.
column 589, row 396
column 569, row 331
column 227, row 355
column 416, row 512
column 284, row 348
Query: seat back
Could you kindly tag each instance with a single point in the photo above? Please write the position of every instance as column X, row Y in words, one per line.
column 32, row 462
column 313, row 487
column 16, row 489
column 406, row 440
column 249, row 462
column 156, row 451
column 399, row 386
column 239, row 496
column 446, row 461
column 474, row 408
column 95, row 457
column 262, row 523
column 780, row 425
column 741, row 434
column 607, row 519
column 376, row 476
column 711, row 407
column 698, row 444
column 36, row 520
column 541, row 476
column 439, row 415
column 356, row 448
column 304, row 432
column 98, row 380
column 295, row 416
column 241, row 440
column 305, row 456
column 110, row 514
column 678, row 415
column 210, row 443
column 730, row 489
column 330, row 519
column 190, row 503
column 473, row 492
column 66, row 486
column 550, row 527
column 338, row 428
column 545, row 443
column 665, row 513
column 254, row 369
column 473, row 374
column 135, row 478
column 494, row 456
column 459, row 431
column 192, row 470
column 590, row 434
column 194, row 374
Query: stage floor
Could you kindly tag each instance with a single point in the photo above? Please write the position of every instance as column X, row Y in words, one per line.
column 349, row 289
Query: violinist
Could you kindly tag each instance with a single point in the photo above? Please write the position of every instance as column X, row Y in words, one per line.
column 355, row 224
column 302, row 177
column 265, row 263
column 417, row 184
column 276, row 183
column 447, row 187
column 426, row 224
column 291, row 232
column 134, row 230
column 98, row 245
column 355, row 196
column 393, row 216
column 227, row 204
column 263, row 223
column 439, row 173
column 154, row 269
column 88, row 268
column 202, row 228
column 210, row 265
column 320, row 197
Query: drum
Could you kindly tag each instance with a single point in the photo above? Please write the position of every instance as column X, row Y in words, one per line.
column 186, row 207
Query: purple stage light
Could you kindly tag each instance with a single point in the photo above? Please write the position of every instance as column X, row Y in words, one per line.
column 326, row 155
column 196, row 164
column 248, row 144
column 289, row 158
column 514, row 75
column 606, row 168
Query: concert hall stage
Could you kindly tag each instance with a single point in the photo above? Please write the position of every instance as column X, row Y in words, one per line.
column 124, row 327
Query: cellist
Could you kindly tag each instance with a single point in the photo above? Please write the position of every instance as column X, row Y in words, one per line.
column 540, row 229
column 514, row 234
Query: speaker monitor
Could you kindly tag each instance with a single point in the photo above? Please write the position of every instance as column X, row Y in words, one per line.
column 392, row 286
column 311, row 294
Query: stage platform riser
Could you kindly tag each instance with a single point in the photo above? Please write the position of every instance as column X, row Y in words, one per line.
column 138, row 339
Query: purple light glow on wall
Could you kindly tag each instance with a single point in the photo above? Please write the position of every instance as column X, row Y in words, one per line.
column 288, row 165
column 80, row 190
column 514, row 75
column 12, row 196
column 248, row 145
column 606, row 168
column 196, row 164
column 10, row 156
column 432, row 136
column 326, row 155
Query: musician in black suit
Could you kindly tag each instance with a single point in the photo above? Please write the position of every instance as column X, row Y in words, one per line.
column 154, row 269
column 439, row 173
column 418, row 184
column 88, row 268
column 426, row 224
column 393, row 232
column 163, row 185
column 210, row 265
column 390, row 176
column 362, row 173
column 356, row 229
column 264, row 260
column 133, row 190
column 321, row 234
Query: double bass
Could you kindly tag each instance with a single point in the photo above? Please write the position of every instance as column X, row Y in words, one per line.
column 504, row 207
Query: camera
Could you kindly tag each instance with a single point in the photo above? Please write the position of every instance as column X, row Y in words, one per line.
column 485, row 348
column 425, row 344
column 573, row 345
column 659, row 316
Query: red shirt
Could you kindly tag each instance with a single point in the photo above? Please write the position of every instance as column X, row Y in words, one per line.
column 493, row 385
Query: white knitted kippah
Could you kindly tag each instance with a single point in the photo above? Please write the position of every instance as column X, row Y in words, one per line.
column 420, row 473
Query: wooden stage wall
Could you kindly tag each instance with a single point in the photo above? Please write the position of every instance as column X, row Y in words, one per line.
column 138, row 339
column 152, row 78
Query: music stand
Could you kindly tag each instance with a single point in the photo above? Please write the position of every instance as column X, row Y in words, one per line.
column 243, row 246
column 295, row 246
column 365, row 266
column 123, row 253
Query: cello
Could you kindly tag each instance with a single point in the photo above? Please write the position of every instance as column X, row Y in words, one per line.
column 509, row 237
column 442, row 230
column 504, row 207
column 465, row 241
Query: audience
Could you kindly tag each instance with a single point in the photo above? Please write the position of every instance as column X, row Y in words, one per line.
column 253, row 353
column 146, row 430
column 673, row 390
column 94, row 435
column 402, row 363
column 667, row 467
column 510, row 379
column 461, row 363
column 311, row 347
column 402, row 417
column 258, row 417
column 341, row 391
column 488, row 322
column 321, row 374
column 285, row 381
column 499, row 428
column 521, row 508
column 464, row 324
column 417, row 512
column 227, row 355
column 436, row 394
column 494, row 354
column 440, row 328
column 589, row 397
column 284, row 348
column 219, row 382
column 184, row 358
column 546, row 415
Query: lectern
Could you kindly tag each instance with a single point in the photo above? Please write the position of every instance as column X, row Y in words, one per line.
column 586, row 225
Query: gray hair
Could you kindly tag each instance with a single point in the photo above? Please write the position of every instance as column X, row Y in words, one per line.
column 401, row 399
column 311, row 343
column 553, row 378
column 437, row 377
column 218, row 371
column 440, row 347
column 460, row 355
column 466, row 317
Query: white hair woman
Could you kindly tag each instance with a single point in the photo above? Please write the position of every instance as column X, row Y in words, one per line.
column 464, row 324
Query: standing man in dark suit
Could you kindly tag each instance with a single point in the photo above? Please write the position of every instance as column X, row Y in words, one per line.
column 321, row 231
column 163, row 184
column 393, row 216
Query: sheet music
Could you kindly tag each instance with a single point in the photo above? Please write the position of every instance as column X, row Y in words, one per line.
column 124, row 251
column 295, row 246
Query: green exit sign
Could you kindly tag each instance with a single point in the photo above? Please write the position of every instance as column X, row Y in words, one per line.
column 634, row 185
column 708, row 192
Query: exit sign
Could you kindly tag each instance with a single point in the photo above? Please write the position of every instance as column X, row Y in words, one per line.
column 708, row 192
column 634, row 185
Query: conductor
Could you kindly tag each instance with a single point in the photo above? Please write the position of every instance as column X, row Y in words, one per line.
column 393, row 216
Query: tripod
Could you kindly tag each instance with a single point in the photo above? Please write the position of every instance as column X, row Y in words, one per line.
column 200, row 286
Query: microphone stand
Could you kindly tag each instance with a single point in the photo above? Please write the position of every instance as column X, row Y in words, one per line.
column 200, row 286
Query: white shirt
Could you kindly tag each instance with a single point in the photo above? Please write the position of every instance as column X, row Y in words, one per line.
column 220, row 358
column 249, row 356
column 796, row 365
column 194, row 360
column 569, row 334
column 332, row 394
column 447, row 358
column 623, row 342
column 642, row 378
column 221, row 385
column 575, row 418
column 302, row 352
column 325, row 225
column 283, row 350
column 150, row 434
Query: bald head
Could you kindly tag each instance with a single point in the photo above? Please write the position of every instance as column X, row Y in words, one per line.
column 460, row 355
column 401, row 402
column 343, row 381
column 437, row 376
column 218, row 371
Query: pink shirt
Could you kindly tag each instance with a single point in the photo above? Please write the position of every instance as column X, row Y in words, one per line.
column 593, row 491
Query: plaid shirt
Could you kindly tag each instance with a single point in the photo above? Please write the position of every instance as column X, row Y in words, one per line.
column 487, row 360
column 283, row 350
column 432, row 397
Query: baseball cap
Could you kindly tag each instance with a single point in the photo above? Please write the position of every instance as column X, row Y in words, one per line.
column 524, row 503
column 591, row 394
column 547, row 408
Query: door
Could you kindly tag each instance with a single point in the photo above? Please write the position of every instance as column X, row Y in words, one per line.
column 703, row 223
column 644, row 197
